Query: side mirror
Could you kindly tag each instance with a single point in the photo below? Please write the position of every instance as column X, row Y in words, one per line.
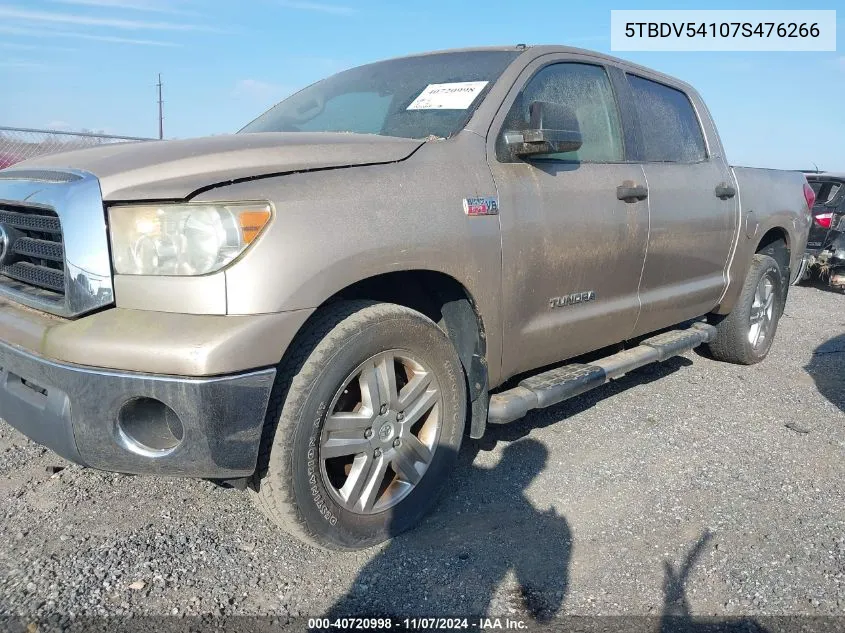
column 552, row 129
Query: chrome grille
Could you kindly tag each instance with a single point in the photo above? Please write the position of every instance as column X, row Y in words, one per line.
column 35, row 275
column 37, row 253
column 40, row 174
column 35, row 220
column 46, row 249
column 57, row 256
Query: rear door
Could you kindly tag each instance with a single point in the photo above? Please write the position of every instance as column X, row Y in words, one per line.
column 572, row 250
column 692, row 205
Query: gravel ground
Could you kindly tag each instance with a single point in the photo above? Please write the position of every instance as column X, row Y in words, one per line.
column 691, row 488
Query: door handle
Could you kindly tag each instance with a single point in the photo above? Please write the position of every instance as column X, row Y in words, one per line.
column 725, row 191
column 628, row 191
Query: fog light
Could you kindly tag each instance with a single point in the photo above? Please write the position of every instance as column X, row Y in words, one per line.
column 149, row 427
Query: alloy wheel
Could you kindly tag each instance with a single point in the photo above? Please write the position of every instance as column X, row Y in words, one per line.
column 762, row 311
column 381, row 432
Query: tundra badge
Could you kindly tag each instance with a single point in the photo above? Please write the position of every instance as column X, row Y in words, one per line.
column 569, row 300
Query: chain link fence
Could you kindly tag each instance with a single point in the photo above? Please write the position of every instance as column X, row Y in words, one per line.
column 17, row 144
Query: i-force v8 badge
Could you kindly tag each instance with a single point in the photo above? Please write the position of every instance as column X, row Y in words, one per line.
column 481, row 206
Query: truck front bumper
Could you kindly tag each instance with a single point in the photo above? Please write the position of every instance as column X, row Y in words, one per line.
column 134, row 422
column 143, row 392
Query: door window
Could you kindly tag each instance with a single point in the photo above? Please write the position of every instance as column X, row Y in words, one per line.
column 670, row 129
column 587, row 90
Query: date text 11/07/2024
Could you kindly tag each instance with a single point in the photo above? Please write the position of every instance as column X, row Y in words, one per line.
column 416, row 624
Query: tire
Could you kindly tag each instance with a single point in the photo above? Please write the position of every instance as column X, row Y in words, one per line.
column 327, row 369
column 736, row 332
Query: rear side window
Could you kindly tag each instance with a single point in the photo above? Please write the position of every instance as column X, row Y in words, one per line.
column 827, row 192
column 586, row 89
column 670, row 128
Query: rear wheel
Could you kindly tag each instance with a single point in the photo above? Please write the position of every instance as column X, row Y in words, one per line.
column 368, row 429
column 745, row 335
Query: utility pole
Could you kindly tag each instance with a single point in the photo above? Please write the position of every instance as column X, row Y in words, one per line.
column 160, row 111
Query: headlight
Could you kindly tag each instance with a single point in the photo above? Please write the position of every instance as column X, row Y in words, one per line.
column 183, row 239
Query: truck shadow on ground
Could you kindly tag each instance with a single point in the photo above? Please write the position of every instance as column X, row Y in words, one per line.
column 475, row 544
column 495, row 554
column 826, row 369
column 485, row 529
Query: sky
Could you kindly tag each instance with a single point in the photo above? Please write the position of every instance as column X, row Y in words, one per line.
column 93, row 64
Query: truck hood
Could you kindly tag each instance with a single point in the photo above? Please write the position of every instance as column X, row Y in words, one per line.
column 173, row 170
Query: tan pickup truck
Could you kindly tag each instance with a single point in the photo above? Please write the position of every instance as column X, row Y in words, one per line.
column 320, row 307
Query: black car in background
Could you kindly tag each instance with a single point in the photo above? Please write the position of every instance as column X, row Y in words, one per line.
column 825, row 254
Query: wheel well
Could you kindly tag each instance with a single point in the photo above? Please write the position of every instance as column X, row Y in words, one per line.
column 421, row 290
column 448, row 303
column 776, row 234
column 775, row 243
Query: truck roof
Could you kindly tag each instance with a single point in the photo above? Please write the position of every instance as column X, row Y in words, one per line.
column 544, row 49
column 826, row 174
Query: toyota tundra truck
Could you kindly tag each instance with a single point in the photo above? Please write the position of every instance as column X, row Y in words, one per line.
column 320, row 307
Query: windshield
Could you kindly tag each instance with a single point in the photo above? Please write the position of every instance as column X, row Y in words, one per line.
column 412, row 97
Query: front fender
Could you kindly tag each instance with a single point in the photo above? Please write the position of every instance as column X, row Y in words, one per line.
column 336, row 227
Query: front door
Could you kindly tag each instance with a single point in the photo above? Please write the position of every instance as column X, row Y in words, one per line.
column 572, row 250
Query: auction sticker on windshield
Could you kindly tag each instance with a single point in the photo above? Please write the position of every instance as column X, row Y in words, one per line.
column 452, row 96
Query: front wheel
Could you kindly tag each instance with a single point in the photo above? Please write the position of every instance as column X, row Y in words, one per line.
column 745, row 335
column 366, row 423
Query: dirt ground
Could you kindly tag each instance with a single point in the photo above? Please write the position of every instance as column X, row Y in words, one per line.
column 691, row 488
